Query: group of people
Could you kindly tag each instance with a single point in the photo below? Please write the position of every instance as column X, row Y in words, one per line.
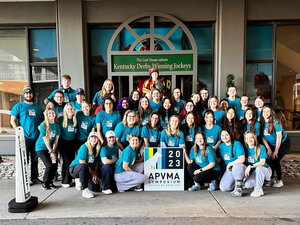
column 228, row 144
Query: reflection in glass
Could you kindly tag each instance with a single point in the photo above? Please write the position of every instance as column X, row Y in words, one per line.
column 44, row 73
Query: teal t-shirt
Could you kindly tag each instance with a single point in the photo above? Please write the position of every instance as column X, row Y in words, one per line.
column 164, row 121
column 128, row 155
column 108, row 152
column 85, row 124
column 155, row 106
column 69, row 94
column 177, row 106
column 271, row 137
column 213, row 135
column 76, row 105
column 145, row 118
column 219, row 115
column 240, row 114
column 256, row 128
column 108, row 121
column 250, row 159
column 190, row 137
column 97, row 99
column 55, row 130
column 83, row 154
column 122, row 133
column 230, row 153
column 59, row 110
column 29, row 117
column 67, row 133
column 172, row 141
column 153, row 135
column 204, row 161
column 236, row 103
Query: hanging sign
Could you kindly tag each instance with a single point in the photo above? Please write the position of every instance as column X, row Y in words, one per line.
column 164, row 169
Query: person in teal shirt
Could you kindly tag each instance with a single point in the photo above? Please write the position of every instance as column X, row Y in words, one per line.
column 126, row 175
column 276, row 142
column 212, row 131
column 129, row 125
column 177, row 102
column 213, row 104
column 155, row 102
column 109, row 155
column 79, row 99
column 190, row 128
column 28, row 115
column 144, row 110
column 108, row 90
column 202, row 164
column 68, row 92
column 46, row 147
column 249, row 123
column 165, row 112
column 244, row 105
column 232, row 99
column 66, row 142
column 85, row 123
column 233, row 156
column 151, row 131
column 107, row 119
column 257, row 170
column 85, row 167
column 172, row 136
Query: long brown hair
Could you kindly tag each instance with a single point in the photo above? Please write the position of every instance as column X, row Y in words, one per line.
column 271, row 119
column 197, row 147
column 252, row 122
column 256, row 144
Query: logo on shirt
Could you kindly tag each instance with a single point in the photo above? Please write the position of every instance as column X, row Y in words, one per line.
column 52, row 134
column 108, row 123
column 227, row 156
column 71, row 128
column 250, row 159
column 31, row 112
column 210, row 139
column 91, row 159
column 189, row 138
column 66, row 99
column 153, row 138
column 171, row 143
column 198, row 159
column 83, row 125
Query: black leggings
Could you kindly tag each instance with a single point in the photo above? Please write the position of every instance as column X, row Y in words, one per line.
column 67, row 151
column 50, row 169
column 275, row 163
column 203, row 177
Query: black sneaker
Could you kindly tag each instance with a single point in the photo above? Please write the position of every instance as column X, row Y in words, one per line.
column 46, row 187
column 36, row 181
column 53, row 186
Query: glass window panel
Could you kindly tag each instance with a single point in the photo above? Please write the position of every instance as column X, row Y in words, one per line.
column 97, row 78
column 205, row 77
column 42, row 91
column 259, row 80
column 204, row 41
column 260, row 42
column 185, row 84
column 287, row 100
column 100, row 38
column 43, row 45
column 121, row 85
column 176, row 39
column 44, row 73
column 127, row 39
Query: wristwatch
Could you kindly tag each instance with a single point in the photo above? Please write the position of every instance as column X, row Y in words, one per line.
column 201, row 170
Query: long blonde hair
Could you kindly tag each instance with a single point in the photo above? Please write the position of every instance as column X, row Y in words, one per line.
column 65, row 117
column 90, row 148
column 103, row 91
column 168, row 128
column 256, row 144
column 46, row 121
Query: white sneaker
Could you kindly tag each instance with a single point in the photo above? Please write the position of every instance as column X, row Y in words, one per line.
column 77, row 184
column 65, row 185
column 121, row 191
column 107, row 191
column 87, row 193
column 269, row 183
column 138, row 189
column 257, row 192
column 278, row 183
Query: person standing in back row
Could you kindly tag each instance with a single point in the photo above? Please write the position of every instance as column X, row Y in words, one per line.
column 28, row 115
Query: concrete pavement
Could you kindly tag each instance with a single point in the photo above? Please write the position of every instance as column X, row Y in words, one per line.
column 281, row 203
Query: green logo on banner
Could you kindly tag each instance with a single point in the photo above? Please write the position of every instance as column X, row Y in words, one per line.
column 142, row 63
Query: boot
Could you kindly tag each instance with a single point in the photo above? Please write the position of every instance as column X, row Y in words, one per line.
column 238, row 191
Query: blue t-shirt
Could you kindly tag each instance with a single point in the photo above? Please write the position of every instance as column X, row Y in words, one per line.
column 164, row 121
column 257, row 115
column 172, row 141
column 190, row 137
column 29, row 117
column 109, row 153
column 256, row 128
column 55, row 130
column 128, row 155
column 240, row 114
column 155, row 106
column 236, row 103
column 67, row 133
column 145, row 118
column 97, row 99
column 219, row 115
column 83, row 154
column 271, row 137
column 213, row 135
column 230, row 153
column 76, row 105
column 69, row 94
column 250, row 159
column 204, row 161
column 85, row 124
column 122, row 133
column 59, row 110
column 153, row 135
column 178, row 106
column 108, row 121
